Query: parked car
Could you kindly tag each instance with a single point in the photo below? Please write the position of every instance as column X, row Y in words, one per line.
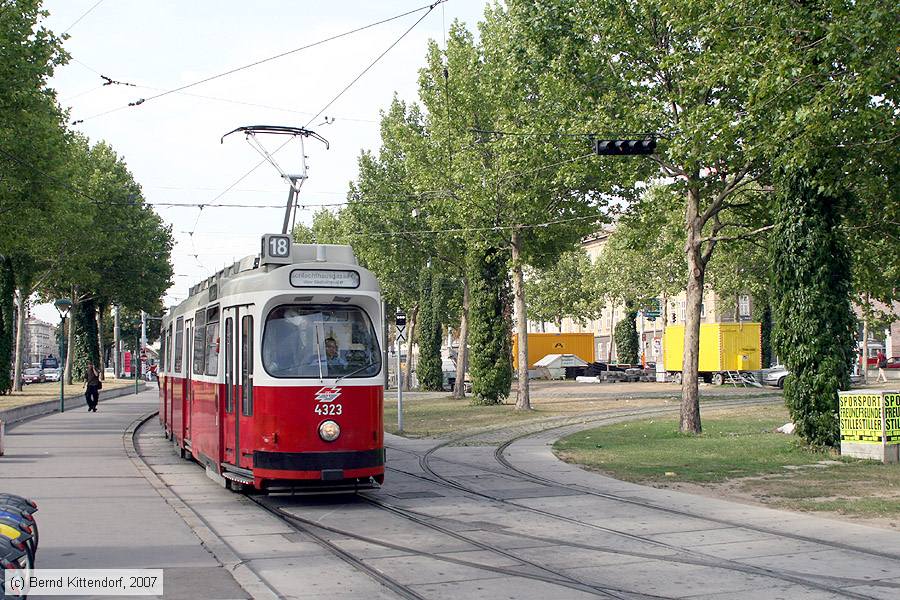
column 775, row 376
column 33, row 375
column 51, row 374
column 893, row 363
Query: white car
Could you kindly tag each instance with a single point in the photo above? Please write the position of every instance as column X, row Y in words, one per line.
column 775, row 376
column 51, row 374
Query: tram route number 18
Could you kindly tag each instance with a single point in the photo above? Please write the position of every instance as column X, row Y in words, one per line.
column 279, row 246
column 329, row 409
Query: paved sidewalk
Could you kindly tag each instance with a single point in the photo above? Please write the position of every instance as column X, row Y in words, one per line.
column 96, row 509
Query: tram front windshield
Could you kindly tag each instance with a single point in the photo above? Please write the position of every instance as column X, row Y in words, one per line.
column 308, row 341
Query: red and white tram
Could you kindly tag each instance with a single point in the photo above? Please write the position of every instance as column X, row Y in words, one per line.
column 272, row 370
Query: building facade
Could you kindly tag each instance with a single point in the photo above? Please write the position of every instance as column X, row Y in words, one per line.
column 39, row 342
column 715, row 309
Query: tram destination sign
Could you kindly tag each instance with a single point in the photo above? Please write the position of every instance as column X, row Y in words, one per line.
column 324, row 278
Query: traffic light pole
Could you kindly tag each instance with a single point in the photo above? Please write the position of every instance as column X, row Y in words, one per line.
column 400, row 320
column 399, row 391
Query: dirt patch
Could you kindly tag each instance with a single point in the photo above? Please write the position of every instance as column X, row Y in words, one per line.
column 794, row 490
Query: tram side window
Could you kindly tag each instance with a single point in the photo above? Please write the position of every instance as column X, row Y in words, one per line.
column 167, row 355
column 179, row 343
column 247, row 366
column 199, row 341
column 212, row 341
column 162, row 351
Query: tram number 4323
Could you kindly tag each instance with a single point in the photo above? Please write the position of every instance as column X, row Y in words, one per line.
column 329, row 409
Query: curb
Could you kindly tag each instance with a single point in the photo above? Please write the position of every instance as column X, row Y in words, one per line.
column 11, row 416
column 245, row 577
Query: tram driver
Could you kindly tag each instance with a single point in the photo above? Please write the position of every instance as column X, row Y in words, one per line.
column 333, row 357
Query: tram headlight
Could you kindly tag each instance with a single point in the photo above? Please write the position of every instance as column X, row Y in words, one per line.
column 329, row 431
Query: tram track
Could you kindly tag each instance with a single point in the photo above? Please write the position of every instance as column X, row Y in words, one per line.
column 552, row 577
column 535, row 571
column 310, row 529
column 614, row 418
column 682, row 555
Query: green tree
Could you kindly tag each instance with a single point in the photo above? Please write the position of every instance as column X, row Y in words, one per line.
column 32, row 156
column 643, row 255
column 378, row 217
column 327, row 228
column 126, row 258
column 626, row 337
column 491, row 364
column 428, row 368
column 732, row 89
column 519, row 186
column 86, row 348
column 7, row 287
column 566, row 288
column 814, row 325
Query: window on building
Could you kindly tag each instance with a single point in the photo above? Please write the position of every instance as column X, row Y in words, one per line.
column 681, row 307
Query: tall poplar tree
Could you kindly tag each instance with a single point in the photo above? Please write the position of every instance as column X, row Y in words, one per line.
column 814, row 324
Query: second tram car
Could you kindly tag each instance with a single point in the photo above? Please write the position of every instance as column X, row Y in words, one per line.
column 271, row 371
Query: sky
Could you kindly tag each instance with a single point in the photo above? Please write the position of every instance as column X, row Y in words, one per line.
column 172, row 145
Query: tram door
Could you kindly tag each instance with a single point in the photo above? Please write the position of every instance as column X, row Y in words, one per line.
column 188, row 386
column 244, row 391
column 228, row 424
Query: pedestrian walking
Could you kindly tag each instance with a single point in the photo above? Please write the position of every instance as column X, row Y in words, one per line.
column 882, row 363
column 92, row 387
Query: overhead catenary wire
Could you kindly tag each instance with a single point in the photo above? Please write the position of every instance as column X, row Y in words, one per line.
column 374, row 62
column 341, row 93
column 162, row 94
column 83, row 15
column 258, row 105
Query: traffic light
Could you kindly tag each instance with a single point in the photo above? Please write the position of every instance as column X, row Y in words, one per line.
column 624, row 147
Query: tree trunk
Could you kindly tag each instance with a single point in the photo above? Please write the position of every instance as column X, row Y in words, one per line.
column 523, row 398
column 690, row 393
column 664, row 303
column 462, row 357
column 117, row 367
column 411, row 332
column 864, row 360
column 20, row 339
column 612, row 335
column 98, row 315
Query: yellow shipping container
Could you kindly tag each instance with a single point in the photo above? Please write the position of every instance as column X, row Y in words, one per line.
column 723, row 347
column 542, row 344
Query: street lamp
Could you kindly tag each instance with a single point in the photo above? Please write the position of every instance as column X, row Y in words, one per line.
column 63, row 306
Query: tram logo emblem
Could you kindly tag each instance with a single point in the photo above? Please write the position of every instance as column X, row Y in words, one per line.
column 328, row 394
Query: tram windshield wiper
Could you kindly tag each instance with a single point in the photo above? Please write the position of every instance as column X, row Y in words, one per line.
column 355, row 371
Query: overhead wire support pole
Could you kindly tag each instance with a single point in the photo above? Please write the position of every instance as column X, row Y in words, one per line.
column 287, row 210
